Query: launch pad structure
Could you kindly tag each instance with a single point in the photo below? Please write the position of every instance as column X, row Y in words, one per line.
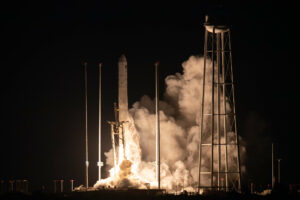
column 217, row 124
column 218, row 113
column 117, row 137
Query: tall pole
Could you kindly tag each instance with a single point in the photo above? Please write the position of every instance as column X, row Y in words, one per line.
column 157, row 127
column 100, row 163
column 86, row 130
column 273, row 177
column 279, row 170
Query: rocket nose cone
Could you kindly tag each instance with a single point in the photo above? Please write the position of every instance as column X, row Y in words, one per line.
column 122, row 59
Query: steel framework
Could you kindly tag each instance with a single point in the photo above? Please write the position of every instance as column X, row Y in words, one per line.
column 218, row 136
column 117, row 138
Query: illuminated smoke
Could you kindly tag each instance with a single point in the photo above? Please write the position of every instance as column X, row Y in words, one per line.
column 179, row 119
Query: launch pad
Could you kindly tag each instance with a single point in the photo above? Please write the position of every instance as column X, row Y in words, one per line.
column 218, row 144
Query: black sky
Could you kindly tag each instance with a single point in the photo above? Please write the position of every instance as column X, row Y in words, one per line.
column 43, row 45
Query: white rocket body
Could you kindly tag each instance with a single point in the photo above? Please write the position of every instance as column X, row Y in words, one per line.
column 123, row 105
column 123, row 96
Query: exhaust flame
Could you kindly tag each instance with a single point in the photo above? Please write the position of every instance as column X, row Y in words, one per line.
column 179, row 116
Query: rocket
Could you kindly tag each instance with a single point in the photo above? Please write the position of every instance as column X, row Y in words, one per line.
column 118, row 127
column 123, row 105
column 123, row 96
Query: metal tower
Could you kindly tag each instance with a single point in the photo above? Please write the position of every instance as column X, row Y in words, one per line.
column 219, row 157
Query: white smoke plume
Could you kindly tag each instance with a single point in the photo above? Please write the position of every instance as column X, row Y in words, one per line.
column 179, row 128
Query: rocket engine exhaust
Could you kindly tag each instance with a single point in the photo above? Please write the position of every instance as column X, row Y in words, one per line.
column 140, row 158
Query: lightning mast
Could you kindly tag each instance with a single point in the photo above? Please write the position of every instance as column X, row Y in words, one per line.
column 273, row 176
column 86, row 129
column 100, row 163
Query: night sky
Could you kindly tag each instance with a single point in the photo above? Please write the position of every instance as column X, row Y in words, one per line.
column 42, row 80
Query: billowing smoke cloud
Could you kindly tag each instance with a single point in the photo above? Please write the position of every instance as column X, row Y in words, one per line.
column 179, row 127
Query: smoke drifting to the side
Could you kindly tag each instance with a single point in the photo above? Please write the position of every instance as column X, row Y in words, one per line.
column 179, row 128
